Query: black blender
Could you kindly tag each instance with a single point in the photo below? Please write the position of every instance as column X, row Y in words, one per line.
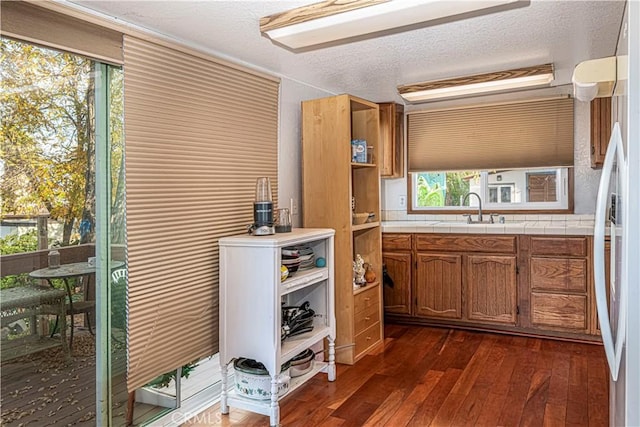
column 262, row 209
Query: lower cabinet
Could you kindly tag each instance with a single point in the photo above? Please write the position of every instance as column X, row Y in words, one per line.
column 492, row 288
column 539, row 285
column 366, row 318
column 397, row 260
column 397, row 286
column 559, row 273
column 438, row 286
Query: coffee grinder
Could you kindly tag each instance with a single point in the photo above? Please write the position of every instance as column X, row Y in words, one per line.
column 262, row 209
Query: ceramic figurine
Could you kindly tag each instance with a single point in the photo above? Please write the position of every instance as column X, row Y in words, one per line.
column 359, row 271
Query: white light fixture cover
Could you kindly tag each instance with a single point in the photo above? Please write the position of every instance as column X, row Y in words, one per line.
column 367, row 19
column 481, row 83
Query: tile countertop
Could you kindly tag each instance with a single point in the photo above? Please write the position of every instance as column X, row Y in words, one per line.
column 565, row 228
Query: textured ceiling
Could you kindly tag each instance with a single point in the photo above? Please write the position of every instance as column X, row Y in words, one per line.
column 562, row 32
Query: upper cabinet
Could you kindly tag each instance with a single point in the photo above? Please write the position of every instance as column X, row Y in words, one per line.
column 391, row 140
column 600, row 130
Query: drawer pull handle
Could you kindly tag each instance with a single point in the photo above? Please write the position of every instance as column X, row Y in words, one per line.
column 368, row 338
column 367, row 318
column 367, row 299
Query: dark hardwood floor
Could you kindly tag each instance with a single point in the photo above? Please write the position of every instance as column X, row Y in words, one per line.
column 443, row 377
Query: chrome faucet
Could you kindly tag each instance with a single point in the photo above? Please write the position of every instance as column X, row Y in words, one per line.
column 479, row 206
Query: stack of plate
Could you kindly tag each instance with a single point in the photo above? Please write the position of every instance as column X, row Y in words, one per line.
column 301, row 254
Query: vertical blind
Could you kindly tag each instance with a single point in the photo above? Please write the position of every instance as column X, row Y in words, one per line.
column 198, row 134
column 31, row 23
column 536, row 133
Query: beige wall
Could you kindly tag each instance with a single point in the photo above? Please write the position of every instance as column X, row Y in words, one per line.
column 289, row 144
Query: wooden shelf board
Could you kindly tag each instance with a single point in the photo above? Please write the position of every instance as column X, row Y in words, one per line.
column 365, row 226
column 362, row 165
column 366, row 288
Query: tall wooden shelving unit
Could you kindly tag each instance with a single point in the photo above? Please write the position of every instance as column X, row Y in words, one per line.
column 330, row 180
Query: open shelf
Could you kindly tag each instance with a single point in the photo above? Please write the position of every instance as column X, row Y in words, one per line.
column 365, row 226
column 302, row 279
column 262, row 406
column 367, row 287
column 356, row 165
column 295, row 345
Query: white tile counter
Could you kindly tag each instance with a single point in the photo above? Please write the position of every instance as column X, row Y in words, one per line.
column 580, row 227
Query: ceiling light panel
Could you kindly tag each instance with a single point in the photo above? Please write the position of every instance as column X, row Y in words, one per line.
column 327, row 22
column 539, row 75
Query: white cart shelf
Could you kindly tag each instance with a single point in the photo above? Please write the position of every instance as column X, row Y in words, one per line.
column 251, row 296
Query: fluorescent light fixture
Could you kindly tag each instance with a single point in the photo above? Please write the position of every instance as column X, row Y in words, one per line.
column 480, row 83
column 330, row 21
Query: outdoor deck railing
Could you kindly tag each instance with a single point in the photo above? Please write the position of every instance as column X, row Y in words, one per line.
column 27, row 262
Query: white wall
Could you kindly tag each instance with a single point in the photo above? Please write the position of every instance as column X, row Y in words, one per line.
column 585, row 179
column 289, row 143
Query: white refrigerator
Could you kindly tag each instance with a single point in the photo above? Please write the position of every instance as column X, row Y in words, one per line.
column 618, row 211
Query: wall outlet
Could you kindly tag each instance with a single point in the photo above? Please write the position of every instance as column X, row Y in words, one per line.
column 294, row 206
column 402, row 200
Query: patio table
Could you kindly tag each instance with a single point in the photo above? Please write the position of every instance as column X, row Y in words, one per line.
column 66, row 272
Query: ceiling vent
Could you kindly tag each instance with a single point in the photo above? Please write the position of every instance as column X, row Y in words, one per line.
column 595, row 78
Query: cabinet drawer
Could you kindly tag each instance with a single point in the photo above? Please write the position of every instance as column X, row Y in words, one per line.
column 570, row 246
column 366, row 318
column 559, row 311
column 462, row 243
column 366, row 299
column 367, row 338
column 559, row 274
column 392, row 241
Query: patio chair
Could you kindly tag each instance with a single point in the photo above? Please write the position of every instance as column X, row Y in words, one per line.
column 119, row 304
column 84, row 306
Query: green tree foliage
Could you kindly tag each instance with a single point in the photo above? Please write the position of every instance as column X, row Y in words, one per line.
column 457, row 187
column 13, row 244
column 429, row 195
column 47, row 135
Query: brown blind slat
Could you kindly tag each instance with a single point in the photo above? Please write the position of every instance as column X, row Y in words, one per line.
column 34, row 24
column 518, row 135
column 198, row 134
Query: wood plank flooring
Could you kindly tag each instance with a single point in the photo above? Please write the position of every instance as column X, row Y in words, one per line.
column 442, row 377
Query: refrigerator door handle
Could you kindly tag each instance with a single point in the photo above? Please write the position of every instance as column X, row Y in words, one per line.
column 613, row 349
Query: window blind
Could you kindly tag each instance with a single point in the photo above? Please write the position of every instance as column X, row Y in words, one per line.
column 536, row 133
column 198, row 134
column 29, row 22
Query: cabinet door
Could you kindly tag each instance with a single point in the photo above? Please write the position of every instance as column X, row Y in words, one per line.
column 600, row 130
column 391, row 140
column 491, row 288
column 397, row 299
column 438, row 286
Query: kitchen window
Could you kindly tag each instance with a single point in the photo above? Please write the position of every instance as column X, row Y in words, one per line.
column 515, row 155
column 500, row 190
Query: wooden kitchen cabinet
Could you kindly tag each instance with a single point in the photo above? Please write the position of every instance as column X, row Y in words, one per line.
column 466, row 277
column 438, row 286
column 492, row 288
column 523, row 284
column 600, row 130
column 330, row 180
column 559, row 272
column 397, row 296
column 391, row 140
column 397, row 259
